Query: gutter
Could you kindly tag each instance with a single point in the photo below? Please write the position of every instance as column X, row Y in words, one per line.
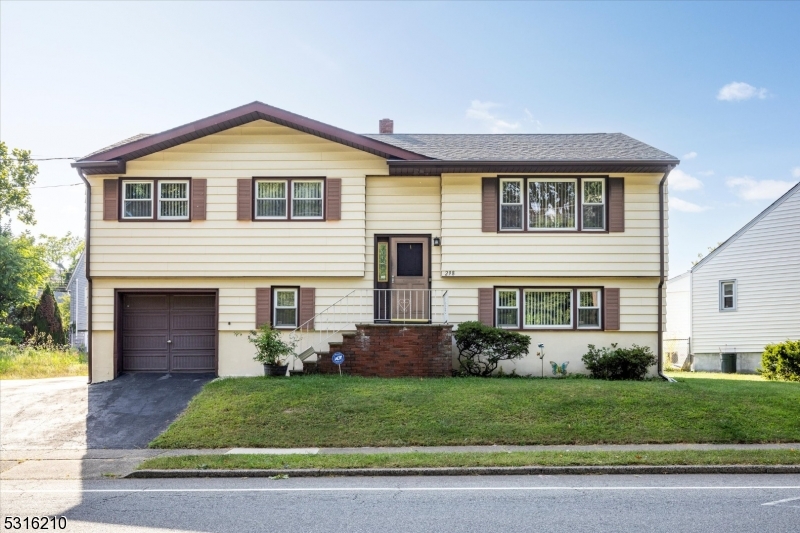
column 662, row 278
column 87, row 262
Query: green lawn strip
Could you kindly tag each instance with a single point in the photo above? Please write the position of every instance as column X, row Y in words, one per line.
column 30, row 363
column 422, row 460
column 329, row 411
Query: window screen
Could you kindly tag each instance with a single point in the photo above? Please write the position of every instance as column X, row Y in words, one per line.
column 409, row 259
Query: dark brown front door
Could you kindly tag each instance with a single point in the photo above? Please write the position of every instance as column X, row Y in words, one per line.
column 169, row 332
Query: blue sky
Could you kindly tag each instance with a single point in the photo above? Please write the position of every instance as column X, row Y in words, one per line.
column 716, row 84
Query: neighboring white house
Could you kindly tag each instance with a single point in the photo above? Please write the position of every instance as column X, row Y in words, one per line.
column 746, row 293
column 78, row 293
column 677, row 336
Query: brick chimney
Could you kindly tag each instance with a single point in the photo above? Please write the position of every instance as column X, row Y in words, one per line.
column 386, row 125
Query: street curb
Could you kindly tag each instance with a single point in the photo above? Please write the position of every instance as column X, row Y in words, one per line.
column 472, row 471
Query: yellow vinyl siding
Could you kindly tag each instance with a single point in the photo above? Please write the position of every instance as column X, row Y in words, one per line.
column 223, row 246
column 468, row 251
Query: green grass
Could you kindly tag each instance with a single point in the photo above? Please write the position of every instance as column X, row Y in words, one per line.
column 421, row 460
column 28, row 362
column 329, row 411
column 715, row 375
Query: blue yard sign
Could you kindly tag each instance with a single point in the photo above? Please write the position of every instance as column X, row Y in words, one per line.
column 338, row 359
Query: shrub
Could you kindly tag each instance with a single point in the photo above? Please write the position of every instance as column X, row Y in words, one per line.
column 781, row 361
column 619, row 363
column 271, row 349
column 481, row 347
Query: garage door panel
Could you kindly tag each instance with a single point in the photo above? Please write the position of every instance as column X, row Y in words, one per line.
column 150, row 321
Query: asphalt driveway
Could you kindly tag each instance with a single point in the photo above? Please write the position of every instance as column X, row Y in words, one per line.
column 68, row 414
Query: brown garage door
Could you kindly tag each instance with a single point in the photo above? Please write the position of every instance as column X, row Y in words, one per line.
column 169, row 332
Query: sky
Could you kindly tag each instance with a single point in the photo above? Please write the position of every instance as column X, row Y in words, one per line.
column 715, row 84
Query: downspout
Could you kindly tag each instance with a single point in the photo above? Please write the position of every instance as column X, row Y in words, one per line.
column 662, row 278
column 87, row 260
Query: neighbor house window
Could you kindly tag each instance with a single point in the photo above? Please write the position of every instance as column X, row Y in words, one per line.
column 588, row 308
column 173, row 200
column 727, row 295
column 552, row 204
column 289, row 199
column 156, row 199
column 594, row 208
column 511, row 208
column 137, row 199
column 507, row 312
column 285, row 310
column 546, row 308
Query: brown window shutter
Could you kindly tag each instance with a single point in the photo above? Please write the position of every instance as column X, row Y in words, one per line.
column 307, row 307
column 489, row 201
column 616, row 204
column 486, row 306
column 263, row 305
column 244, row 199
column 333, row 207
column 611, row 309
column 198, row 199
column 110, row 195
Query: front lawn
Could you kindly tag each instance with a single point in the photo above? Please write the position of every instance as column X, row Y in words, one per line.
column 465, row 460
column 32, row 362
column 329, row 411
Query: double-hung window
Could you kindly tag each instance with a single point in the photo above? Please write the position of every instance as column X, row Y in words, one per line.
column 285, row 308
column 727, row 295
column 588, row 308
column 507, row 308
column 552, row 204
column 155, row 200
column 289, row 199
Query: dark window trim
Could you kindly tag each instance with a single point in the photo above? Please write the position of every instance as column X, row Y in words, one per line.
column 154, row 218
column 578, row 208
column 274, row 301
column 289, row 198
column 573, row 288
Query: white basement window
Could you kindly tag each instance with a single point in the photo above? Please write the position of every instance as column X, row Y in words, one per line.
column 545, row 308
column 507, row 308
column 588, row 308
column 285, row 309
column 727, row 295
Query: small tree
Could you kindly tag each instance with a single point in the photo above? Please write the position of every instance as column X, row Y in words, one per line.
column 47, row 318
column 481, row 347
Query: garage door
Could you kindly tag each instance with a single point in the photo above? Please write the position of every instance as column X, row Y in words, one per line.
column 169, row 332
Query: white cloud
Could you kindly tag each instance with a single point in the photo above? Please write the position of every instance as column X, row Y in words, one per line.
column 690, row 155
column 482, row 111
column 681, row 181
column 796, row 172
column 706, row 173
column 751, row 189
column 682, row 205
column 738, row 90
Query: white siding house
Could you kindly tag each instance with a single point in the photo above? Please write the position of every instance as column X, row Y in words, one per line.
column 677, row 336
column 746, row 293
column 78, row 295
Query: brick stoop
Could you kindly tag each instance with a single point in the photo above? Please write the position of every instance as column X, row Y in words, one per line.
column 393, row 350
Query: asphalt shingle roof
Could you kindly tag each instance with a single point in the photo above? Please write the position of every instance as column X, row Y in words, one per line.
column 120, row 143
column 526, row 147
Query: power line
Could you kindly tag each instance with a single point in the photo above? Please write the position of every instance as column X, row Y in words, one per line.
column 52, row 186
column 41, row 158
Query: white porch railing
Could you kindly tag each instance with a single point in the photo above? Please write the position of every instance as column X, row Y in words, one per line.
column 368, row 306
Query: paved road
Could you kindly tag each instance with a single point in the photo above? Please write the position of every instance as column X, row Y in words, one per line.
column 707, row 503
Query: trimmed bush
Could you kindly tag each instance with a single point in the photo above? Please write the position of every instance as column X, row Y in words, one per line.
column 619, row 363
column 781, row 361
column 481, row 347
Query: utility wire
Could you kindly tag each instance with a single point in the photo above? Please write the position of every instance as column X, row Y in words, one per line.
column 52, row 186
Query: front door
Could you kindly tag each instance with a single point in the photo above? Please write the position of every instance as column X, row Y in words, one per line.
column 409, row 279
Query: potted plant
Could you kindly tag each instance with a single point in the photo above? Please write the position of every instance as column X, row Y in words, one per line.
column 271, row 350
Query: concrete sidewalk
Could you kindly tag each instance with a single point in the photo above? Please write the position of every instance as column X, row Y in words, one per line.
column 100, row 464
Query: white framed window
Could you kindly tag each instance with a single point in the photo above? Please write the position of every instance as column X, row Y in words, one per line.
column 271, row 199
column 594, row 206
column 589, row 308
column 547, row 308
column 137, row 200
column 511, row 204
column 507, row 308
column 173, row 200
column 284, row 309
column 727, row 295
column 552, row 204
column 307, row 198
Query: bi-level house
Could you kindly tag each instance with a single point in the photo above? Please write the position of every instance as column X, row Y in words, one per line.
column 198, row 234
